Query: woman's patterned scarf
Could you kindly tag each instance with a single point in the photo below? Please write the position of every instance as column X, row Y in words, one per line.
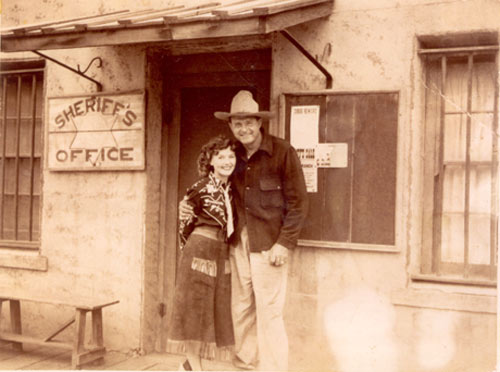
column 215, row 203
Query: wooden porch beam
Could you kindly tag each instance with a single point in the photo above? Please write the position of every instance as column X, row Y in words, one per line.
column 203, row 30
column 215, row 45
column 283, row 20
column 174, row 31
column 122, row 36
column 86, row 39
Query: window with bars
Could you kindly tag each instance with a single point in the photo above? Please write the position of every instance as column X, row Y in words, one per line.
column 20, row 154
column 461, row 163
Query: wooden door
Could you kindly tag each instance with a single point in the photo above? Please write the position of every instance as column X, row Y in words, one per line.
column 195, row 87
column 198, row 125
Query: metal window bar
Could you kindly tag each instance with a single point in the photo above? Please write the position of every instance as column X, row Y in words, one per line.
column 16, row 167
column 438, row 200
column 17, row 156
column 4, row 144
column 32, row 155
column 351, row 161
column 470, row 64
column 494, row 182
column 439, row 184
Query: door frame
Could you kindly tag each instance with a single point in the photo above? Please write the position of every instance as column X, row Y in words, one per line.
column 242, row 71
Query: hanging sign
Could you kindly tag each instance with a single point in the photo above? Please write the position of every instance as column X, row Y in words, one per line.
column 96, row 132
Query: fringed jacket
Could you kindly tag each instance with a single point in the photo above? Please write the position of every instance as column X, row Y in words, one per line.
column 207, row 196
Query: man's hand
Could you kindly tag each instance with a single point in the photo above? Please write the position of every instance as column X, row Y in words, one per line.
column 185, row 209
column 278, row 254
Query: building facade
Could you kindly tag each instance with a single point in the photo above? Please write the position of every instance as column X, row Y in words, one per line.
column 397, row 266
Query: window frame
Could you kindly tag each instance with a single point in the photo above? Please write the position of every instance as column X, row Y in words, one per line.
column 18, row 69
column 431, row 268
column 284, row 130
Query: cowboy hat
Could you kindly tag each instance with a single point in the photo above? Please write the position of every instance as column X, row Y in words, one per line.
column 243, row 105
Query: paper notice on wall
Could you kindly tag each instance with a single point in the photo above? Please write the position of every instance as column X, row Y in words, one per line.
column 304, row 126
column 308, row 160
column 311, row 177
column 304, row 137
column 331, row 155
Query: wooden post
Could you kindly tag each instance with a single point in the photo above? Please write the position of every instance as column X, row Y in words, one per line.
column 78, row 346
column 495, row 255
column 1, row 302
column 97, row 336
column 496, row 162
column 498, row 299
column 498, row 290
column 15, row 322
column 2, row 343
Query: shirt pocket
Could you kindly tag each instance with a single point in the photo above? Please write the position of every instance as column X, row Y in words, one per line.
column 271, row 195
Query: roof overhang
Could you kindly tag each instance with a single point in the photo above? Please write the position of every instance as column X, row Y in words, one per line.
column 177, row 27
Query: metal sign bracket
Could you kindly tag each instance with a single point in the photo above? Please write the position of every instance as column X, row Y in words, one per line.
column 76, row 71
column 308, row 55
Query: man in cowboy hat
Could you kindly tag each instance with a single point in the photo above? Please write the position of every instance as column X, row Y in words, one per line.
column 271, row 202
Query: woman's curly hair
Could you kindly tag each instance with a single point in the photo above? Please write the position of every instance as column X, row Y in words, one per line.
column 211, row 148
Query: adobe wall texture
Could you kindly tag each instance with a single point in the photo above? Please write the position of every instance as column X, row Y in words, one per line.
column 93, row 231
column 347, row 297
column 93, row 223
column 340, row 311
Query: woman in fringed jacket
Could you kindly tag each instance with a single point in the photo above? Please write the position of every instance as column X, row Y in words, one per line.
column 202, row 325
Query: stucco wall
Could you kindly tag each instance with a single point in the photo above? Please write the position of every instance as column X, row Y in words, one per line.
column 341, row 312
column 99, row 229
column 93, row 223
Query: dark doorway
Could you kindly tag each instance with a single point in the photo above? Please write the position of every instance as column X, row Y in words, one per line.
column 198, row 125
column 195, row 87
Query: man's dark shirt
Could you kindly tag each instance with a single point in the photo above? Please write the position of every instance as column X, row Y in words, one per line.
column 270, row 194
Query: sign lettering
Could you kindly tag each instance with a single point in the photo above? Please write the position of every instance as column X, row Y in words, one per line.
column 97, row 132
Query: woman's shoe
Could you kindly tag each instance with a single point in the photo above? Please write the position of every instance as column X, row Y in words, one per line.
column 186, row 366
column 238, row 363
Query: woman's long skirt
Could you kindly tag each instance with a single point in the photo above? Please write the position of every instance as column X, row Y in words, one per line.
column 202, row 301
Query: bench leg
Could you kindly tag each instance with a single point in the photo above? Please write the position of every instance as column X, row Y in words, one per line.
column 15, row 322
column 78, row 345
column 97, row 336
column 81, row 355
column 2, row 343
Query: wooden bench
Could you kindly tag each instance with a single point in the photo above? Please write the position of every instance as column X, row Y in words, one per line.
column 80, row 354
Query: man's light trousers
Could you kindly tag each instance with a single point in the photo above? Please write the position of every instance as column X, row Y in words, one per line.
column 258, row 298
